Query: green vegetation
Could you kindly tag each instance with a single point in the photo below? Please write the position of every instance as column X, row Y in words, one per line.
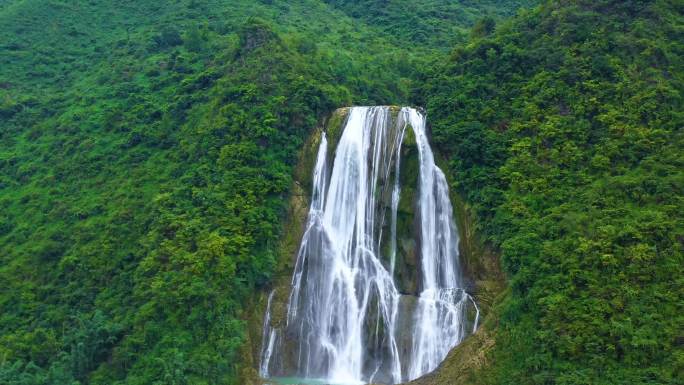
column 147, row 151
column 564, row 130
column 435, row 23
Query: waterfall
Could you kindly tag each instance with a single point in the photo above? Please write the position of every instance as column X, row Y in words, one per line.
column 268, row 337
column 344, row 305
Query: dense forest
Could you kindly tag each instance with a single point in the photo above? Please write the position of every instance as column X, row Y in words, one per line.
column 564, row 130
column 147, row 151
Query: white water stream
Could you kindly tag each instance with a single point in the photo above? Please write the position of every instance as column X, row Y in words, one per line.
column 344, row 307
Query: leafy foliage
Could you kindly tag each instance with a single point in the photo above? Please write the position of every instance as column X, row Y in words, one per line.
column 564, row 129
column 435, row 23
column 146, row 152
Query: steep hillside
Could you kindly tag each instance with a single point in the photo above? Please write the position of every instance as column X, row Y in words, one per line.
column 434, row 23
column 564, row 130
column 146, row 151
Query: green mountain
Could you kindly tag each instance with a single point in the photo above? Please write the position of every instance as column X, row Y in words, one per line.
column 564, row 132
column 147, row 151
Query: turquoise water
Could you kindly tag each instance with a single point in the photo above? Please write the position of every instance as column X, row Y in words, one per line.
column 304, row 381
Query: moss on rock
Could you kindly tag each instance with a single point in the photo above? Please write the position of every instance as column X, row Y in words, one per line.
column 293, row 230
column 480, row 263
column 408, row 249
column 466, row 363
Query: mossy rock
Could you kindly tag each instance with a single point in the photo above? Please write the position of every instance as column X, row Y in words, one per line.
column 467, row 363
column 408, row 249
column 334, row 127
column 480, row 262
column 293, row 231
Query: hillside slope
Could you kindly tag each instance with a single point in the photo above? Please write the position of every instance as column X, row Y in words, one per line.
column 146, row 153
column 564, row 130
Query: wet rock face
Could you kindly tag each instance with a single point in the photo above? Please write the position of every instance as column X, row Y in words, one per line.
column 408, row 248
column 293, row 231
column 407, row 263
column 407, row 305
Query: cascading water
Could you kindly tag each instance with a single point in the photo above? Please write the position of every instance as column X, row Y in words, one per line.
column 344, row 307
